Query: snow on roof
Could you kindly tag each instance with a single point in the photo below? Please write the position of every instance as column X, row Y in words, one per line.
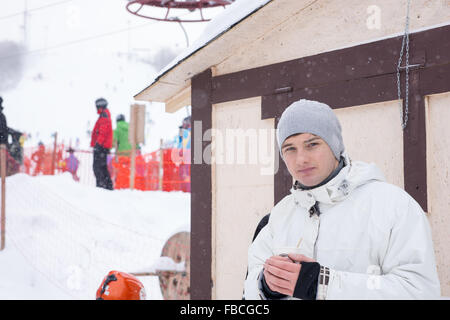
column 234, row 14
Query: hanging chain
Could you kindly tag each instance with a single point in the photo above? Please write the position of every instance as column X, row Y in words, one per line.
column 405, row 40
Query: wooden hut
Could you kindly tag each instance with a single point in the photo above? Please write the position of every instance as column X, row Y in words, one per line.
column 257, row 58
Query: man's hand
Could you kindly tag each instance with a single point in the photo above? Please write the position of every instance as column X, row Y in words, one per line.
column 281, row 273
column 300, row 258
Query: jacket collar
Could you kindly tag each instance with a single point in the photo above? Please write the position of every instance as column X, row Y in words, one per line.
column 352, row 175
column 298, row 185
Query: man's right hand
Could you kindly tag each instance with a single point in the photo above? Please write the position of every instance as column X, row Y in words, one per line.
column 281, row 274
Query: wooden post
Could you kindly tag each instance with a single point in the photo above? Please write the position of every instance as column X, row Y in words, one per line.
column 133, row 165
column 3, row 204
column 54, row 154
column 132, row 140
column 136, row 130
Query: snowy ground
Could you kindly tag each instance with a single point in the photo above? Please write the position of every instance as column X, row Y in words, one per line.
column 63, row 237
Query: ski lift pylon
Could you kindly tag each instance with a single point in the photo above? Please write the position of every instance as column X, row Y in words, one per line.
column 135, row 7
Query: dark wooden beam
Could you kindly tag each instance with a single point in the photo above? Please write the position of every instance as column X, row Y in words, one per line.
column 282, row 178
column 428, row 48
column 201, row 198
column 414, row 144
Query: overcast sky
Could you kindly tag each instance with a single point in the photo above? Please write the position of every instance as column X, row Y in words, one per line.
column 63, row 54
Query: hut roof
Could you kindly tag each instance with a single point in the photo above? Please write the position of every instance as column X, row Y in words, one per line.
column 174, row 78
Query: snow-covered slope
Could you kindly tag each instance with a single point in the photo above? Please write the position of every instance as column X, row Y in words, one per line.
column 63, row 237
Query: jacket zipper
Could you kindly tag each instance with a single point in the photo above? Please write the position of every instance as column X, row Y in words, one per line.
column 317, row 212
column 315, row 243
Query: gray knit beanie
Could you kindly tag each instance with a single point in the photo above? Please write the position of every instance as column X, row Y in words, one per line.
column 306, row 116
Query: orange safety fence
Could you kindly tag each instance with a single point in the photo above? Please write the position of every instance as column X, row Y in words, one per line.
column 175, row 175
column 171, row 172
column 41, row 160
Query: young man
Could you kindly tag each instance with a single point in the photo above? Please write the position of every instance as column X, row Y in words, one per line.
column 101, row 140
column 343, row 232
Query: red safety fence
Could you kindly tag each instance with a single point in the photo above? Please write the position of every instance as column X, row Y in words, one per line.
column 151, row 173
column 41, row 160
column 171, row 172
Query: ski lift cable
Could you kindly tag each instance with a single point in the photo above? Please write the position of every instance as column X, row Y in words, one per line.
column 35, row 9
column 184, row 31
column 69, row 43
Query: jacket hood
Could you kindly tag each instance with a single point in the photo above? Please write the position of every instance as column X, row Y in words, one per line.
column 353, row 175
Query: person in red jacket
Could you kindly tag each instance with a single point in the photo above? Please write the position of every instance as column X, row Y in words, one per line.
column 101, row 141
column 38, row 157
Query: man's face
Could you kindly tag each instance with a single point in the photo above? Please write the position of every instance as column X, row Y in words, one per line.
column 308, row 158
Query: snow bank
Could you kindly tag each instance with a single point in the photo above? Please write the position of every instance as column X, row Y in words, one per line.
column 166, row 264
column 62, row 237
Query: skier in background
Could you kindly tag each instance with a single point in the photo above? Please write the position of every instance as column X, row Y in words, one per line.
column 16, row 147
column 38, row 158
column 3, row 129
column 3, row 125
column 184, row 147
column 71, row 164
column 101, row 141
column 3, row 132
column 121, row 161
column 120, row 137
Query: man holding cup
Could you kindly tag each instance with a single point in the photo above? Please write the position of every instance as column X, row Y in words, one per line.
column 343, row 232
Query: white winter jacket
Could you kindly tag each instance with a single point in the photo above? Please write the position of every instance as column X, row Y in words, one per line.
column 374, row 237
